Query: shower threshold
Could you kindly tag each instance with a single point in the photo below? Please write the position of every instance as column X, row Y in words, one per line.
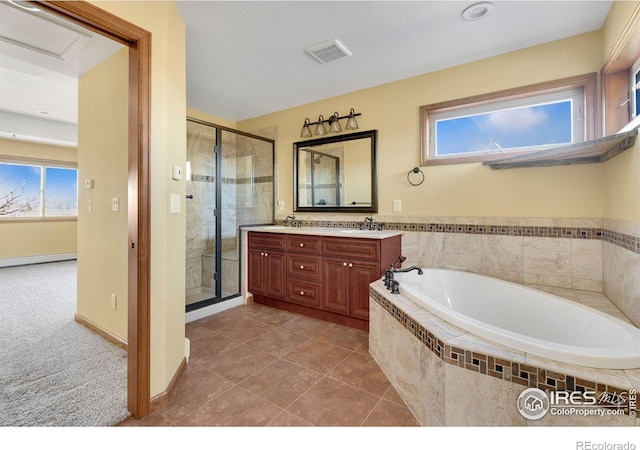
column 201, row 293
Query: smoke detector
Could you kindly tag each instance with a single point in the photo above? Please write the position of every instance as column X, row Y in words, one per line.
column 328, row 51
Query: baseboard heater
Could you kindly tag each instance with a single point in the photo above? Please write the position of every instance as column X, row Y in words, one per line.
column 37, row 259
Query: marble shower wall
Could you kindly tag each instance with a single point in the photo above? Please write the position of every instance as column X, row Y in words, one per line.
column 246, row 197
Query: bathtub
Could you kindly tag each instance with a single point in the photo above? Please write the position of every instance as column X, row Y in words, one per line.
column 525, row 319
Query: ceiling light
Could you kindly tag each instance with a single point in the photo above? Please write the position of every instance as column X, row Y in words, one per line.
column 477, row 11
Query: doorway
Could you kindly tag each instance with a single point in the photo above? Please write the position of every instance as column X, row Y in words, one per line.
column 139, row 234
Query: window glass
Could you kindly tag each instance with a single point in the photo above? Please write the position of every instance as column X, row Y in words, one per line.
column 20, row 189
column 28, row 190
column 61, row 192
column 505, row 130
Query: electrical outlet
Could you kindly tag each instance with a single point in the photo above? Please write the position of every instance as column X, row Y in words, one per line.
column 397, row 205
column 114, row 301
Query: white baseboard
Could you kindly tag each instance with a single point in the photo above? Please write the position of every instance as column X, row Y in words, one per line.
column 214, row 309
column 37, row 259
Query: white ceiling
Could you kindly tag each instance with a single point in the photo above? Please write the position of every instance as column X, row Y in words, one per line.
column 246, row 59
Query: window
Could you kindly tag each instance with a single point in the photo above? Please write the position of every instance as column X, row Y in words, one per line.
column 509, row 122
column 634, row 84
column 31, row 190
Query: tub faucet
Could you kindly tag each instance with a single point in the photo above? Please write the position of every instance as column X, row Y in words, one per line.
column 409, row 269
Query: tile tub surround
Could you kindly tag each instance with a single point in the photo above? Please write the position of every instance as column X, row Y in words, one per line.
column 572, row 253
column 432, row 365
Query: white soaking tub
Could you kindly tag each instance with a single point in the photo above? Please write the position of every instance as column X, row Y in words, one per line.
column 525, row 319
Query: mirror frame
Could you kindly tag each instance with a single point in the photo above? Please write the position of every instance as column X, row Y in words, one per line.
column 371, row 134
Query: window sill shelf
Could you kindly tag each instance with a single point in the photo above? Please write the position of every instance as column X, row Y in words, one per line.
column 594, row 151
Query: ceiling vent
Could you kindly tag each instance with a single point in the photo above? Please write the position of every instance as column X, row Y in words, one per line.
column 328, row 51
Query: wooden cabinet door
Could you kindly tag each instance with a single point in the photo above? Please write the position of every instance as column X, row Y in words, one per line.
column 361, row 274
column 335, row 274
column 275, row 274
column 256, row 273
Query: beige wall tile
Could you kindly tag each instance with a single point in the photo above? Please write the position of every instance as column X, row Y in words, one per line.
column 479, row 400
column 586, row 259
column 502, row 253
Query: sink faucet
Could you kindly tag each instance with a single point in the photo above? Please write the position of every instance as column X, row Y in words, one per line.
column 368, row 223
column 294, row 222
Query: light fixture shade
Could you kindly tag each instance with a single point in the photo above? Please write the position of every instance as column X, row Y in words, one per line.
column 352, row 123
column 320, row 128
column 334, row 123
column 306, row 131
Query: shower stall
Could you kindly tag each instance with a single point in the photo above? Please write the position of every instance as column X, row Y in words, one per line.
column 229, row 184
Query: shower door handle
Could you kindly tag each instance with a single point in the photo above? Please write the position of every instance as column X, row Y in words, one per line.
column 190, row 196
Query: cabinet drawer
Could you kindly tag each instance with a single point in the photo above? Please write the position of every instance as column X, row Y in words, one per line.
column 354, row 248
column 272, row 241
column 303, row 266
column 302, row 244
column 305, row 293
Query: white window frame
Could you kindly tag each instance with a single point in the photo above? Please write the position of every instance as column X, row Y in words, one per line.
column 582, row 90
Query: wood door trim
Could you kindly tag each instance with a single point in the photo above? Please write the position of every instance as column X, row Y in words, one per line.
column 139, row 42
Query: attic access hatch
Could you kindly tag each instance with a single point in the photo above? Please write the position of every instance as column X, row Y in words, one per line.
column 594, row 151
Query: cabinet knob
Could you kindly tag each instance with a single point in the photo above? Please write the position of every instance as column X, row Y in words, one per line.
column 344, row 264
column 301, row 244
column 266, row 254
column 301, row 267
column 350, row 264
column 301, row 292
column 261, row 253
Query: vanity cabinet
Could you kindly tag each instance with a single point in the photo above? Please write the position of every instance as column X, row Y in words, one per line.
column 326, row 277
column 267, row 265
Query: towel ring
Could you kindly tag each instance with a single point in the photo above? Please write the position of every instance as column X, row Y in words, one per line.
column 415, row 170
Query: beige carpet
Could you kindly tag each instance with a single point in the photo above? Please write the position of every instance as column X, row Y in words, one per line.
column 54, row 371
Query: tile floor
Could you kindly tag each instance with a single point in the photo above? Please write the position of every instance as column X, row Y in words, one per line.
column 257, row 366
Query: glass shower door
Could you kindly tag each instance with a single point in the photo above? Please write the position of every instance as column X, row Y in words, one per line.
column 200, row 208
column 231, row 185
column 246, row 197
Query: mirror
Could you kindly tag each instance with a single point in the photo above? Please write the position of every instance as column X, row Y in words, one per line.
column 336, row 174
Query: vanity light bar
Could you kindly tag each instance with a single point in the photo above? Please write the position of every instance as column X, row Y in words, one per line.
column 334, row 124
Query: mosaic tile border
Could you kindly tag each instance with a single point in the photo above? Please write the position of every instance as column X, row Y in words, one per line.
column 226, row 180
column 504, row 369
column 628, row 242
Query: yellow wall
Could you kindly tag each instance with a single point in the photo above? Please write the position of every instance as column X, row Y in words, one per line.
column 168, row 147
column 217, row 120
column 37, row 237
column 103, row 156
column 461, row 189
column 622, row 173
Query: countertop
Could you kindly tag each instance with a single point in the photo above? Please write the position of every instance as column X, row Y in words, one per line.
column 322, row 231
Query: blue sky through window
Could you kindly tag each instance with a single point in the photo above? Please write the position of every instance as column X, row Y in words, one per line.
column 22, row 183
column 61, row 192
column 508, row 129
column 20, row 191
